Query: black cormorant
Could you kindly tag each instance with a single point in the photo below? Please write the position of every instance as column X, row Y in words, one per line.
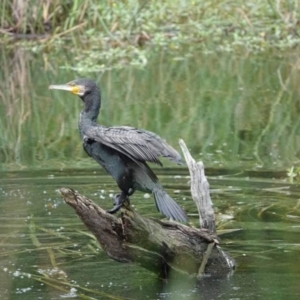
column 123, row 151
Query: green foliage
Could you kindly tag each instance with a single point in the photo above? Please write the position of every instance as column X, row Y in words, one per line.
column 227, row 25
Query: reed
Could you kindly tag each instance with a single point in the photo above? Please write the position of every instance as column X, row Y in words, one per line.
column 230, row 110
column 255, row 24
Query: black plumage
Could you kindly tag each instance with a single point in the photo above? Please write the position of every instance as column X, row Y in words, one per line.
column 124, row 151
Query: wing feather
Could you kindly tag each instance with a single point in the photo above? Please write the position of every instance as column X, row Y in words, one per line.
column 137, row 144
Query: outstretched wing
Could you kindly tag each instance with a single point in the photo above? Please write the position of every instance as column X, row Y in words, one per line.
column 137, row 144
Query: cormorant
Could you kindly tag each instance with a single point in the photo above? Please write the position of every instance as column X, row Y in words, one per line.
column 123, row 151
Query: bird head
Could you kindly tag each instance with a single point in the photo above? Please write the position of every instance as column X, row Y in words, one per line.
column 80, row 87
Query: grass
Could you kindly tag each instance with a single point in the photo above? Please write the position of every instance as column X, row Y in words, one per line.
column 119, row 34
column 255, row 24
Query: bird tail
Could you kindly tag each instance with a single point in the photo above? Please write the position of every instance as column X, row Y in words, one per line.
column 168, row 207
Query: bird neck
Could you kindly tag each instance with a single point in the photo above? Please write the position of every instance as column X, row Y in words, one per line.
column 88, row 116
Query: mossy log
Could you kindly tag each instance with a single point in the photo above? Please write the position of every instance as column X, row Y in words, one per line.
column 159, row 246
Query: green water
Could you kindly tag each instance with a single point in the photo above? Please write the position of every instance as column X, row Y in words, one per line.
column 40, row 234
column 238, row 113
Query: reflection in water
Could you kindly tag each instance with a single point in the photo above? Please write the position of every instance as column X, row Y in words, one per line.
column 232, row 110
column 47, row 252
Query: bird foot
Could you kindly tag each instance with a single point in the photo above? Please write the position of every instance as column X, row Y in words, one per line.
column 118, row 201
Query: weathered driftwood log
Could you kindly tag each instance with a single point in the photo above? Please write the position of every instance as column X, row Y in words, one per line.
column 200, row 190
column 159, row 246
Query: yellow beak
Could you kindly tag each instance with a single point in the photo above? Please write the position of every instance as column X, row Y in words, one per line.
column 65, row 87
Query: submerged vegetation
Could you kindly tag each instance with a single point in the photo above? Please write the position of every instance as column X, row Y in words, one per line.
column 45, row 248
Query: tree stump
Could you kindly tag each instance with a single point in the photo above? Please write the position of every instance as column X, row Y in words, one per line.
column 159, row 246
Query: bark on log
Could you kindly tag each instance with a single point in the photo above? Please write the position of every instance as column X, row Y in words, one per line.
column 159, row 246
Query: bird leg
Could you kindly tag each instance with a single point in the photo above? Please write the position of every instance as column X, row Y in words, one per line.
column 118, row 200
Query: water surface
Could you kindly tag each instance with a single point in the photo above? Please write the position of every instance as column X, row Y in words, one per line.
column 238, row 113
column 42, row 238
